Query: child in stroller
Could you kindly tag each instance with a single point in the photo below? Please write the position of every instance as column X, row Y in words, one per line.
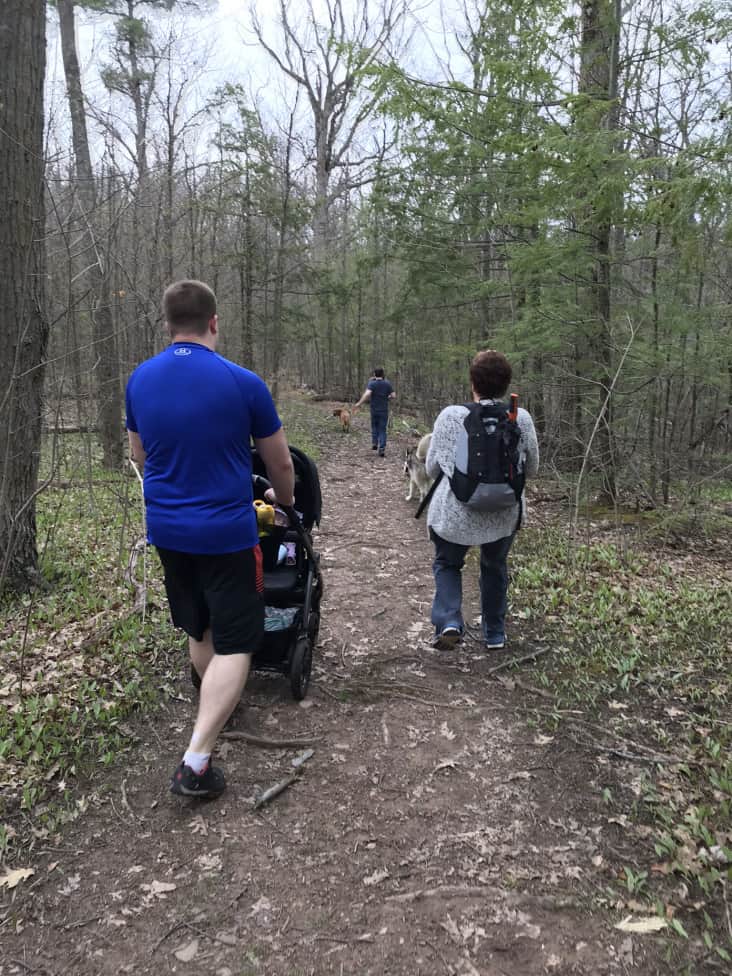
column 293, row 584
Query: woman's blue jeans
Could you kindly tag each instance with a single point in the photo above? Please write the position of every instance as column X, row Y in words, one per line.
column 378, row 429
column 447, row 570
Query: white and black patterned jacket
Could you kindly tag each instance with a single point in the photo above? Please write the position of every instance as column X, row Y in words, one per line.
column 449, row 518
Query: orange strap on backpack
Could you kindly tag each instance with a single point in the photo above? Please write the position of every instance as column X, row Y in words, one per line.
column 513, row 412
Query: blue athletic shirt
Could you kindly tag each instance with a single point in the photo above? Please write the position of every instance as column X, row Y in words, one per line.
column 380, row 391
column 195, row 413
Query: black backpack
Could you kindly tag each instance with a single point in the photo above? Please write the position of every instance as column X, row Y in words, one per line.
column 489, row 471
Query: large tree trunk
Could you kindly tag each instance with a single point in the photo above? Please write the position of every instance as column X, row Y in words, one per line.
column 105, row 346
column 23, row 325
column 598, row 83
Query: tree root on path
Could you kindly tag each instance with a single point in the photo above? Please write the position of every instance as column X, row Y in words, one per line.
column 264, row 743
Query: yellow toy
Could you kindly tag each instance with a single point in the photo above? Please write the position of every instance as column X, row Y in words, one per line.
column 265, row 516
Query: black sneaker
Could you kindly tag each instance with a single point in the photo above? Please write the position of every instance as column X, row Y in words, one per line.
column 374, row 446
column 185, row 782
column 381, row 453
column 447, row 638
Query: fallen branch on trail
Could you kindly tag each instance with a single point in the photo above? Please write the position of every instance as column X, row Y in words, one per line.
column 530, row 688
column 620, row 754
column 298, row 763
column 519, row 660
column 265, row 743
column 641, row 753
column 275, row 790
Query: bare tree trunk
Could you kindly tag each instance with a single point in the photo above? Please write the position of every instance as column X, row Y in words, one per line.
column 654, row 390
column 106, row 366
column 325, row 57
column 137, row 95
column 598, row 81
column 278, row 325
column 23, row 324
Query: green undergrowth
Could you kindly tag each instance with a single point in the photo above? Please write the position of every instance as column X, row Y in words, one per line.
column 76, row 656
column 305, row 425
column 641, row 643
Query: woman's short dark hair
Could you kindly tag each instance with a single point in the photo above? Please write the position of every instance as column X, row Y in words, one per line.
column 188, row 306
column 490, row 374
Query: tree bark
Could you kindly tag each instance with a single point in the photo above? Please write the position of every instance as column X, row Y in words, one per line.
column 105, row 357
column 23, row 325
column 598, row 83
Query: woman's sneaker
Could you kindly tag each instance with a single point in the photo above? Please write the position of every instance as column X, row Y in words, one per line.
column 495, row 643
column 186, row 782
column 447, row 638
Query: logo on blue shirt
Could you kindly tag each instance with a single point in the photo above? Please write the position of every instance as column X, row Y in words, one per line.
column 182, row 351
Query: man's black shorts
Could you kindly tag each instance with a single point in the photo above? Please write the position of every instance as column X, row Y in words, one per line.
column 223, row 592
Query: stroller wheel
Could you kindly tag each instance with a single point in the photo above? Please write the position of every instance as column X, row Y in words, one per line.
column 195, row 680
column 313, row 627
column 300, row 667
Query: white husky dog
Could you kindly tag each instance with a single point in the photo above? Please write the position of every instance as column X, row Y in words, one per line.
column 414, row 467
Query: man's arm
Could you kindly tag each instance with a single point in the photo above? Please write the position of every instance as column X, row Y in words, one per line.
column 275, row 453
column 137, row 451
column 364, row 399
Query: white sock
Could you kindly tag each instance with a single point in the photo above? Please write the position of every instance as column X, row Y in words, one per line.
column 196, row 760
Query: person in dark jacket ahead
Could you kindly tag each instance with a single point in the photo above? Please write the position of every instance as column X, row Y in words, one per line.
column 190, row 417
column 378, row 392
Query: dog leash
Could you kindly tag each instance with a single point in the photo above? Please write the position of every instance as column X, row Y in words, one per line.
column 428, row 497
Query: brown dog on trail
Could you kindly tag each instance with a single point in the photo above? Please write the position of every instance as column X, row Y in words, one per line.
column 345, row 418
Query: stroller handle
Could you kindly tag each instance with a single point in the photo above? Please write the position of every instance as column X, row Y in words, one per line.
column 263, row 484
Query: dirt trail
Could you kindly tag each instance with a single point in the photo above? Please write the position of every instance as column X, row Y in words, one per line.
column 432, row 832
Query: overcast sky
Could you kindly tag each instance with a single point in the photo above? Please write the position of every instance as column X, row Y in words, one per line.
column 219, row 47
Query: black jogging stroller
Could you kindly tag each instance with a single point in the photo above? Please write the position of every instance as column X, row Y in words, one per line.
column 293, row 585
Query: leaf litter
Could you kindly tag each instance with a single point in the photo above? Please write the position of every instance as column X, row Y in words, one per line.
column 490, row 825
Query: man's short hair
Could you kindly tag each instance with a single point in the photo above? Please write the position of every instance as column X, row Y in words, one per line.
column 490, row 374
column 379, row 372
column 188, row 306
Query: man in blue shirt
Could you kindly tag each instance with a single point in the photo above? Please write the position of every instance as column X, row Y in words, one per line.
column 191, row 415
column 378, row 392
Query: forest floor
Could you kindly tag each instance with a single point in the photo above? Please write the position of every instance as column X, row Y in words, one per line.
column 447, row 822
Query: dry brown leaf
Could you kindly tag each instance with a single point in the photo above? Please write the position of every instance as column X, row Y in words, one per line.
column 446, row 732
column 188, row 952
column 13, row 878
column 159, row 888
column 651, row 923
column 199, row 826
column 376, row 877
column 72, row 884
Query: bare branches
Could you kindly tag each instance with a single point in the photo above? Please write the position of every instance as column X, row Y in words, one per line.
column 328, row 61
